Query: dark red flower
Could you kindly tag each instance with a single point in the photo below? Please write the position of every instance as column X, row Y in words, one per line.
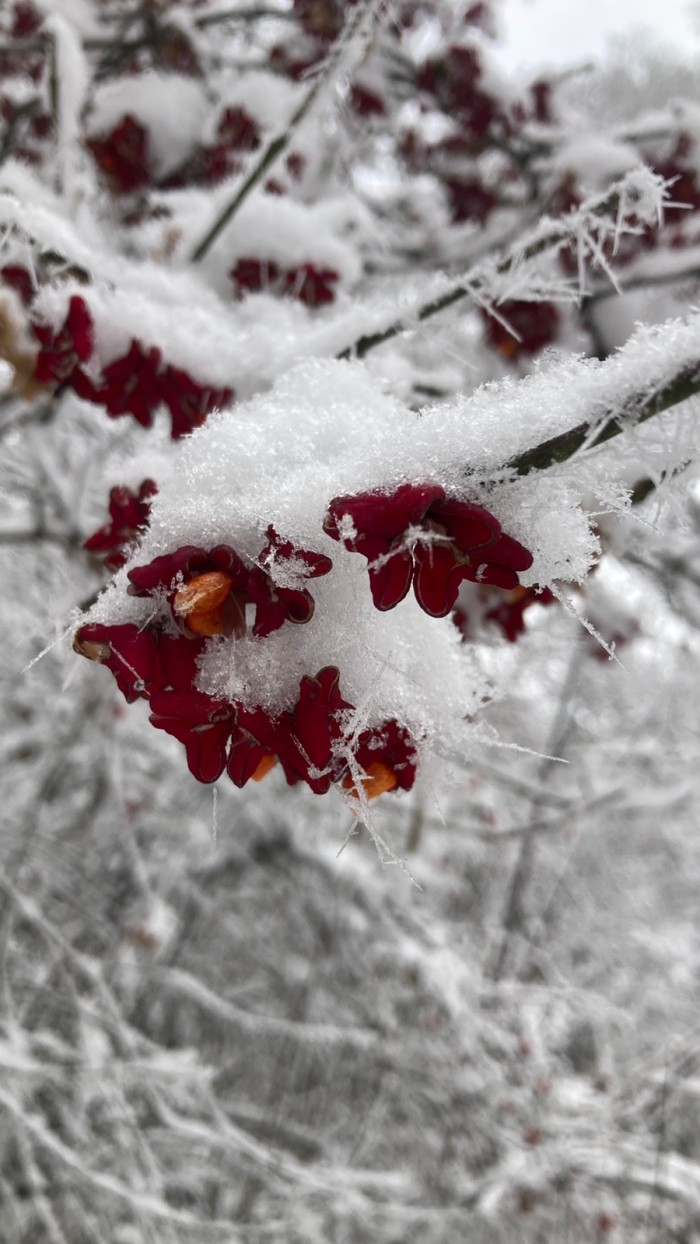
column 366, row 102
column 541, row 92
column 416, row 535
column 174, row 52
column 508, row 612
column 296, row 163
column 255, row 742
column 481, row 15
column 469, row 199
column 64, row 349
column 452, row 81
column 140, row 658
column 128, row 515
column 314, row 729
column 210, row 164
column 685, row 190
column 495, row 560
column 26, row 20
column 309, row 741
column 189, row 403
column 276, row 604
column 41, row 125
column 123, row 156
column 137, row 382
column 252, row 276
column 206, row 591
column 303, row 740
column 375, row 524
column 162, row 669
column 505, row 609
column 535, row 323
column 238, row 131
column 312, row 286
column 130, row 384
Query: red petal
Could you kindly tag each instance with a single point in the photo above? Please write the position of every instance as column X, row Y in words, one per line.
column 491, row 575
column 438, row 574
column 391, row 581
column 505, row 551
column 187, row 561
column 204, row 726
column 468, row 525
column 313, row 565
column 80, row 327
column 245, row 756
column 314, row 728
column 178, row 662
column 381, row 514
column 130, row 654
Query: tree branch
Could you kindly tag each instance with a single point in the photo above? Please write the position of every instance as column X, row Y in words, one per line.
column 635, row 410
column 550, row 236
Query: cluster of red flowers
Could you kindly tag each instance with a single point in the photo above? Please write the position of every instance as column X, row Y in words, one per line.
column 134, row 384
column 418, row 535
column 23, row 55
column 413, row 534
column 128, row 515
column 24, row 23
column 123, row 154
column 454, row 82
column 308, row 284
column 455, row 85
column 237, row 134
column 313, row 742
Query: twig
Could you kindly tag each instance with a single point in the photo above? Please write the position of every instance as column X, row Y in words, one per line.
column 40, row 535
column 636, row 409
column 514, row 914
column 561, row 231
column 642, row 282
column 243, row 15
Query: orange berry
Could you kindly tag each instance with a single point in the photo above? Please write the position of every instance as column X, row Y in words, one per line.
column 380, row 778
column 200, row 603
column 267, row 763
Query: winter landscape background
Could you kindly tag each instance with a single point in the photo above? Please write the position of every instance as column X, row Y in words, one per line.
column 261, row 268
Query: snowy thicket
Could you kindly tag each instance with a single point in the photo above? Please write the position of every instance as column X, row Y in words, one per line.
column 349, row 429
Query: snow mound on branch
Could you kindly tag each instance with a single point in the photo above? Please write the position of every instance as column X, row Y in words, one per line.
column 273, row 229
column 330, row 429
column 170, row 107
column 267, row 97
column 596, row 160
column 327, row 429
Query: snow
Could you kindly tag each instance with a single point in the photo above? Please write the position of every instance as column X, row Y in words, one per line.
column 171, row 108
column 72, row 78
